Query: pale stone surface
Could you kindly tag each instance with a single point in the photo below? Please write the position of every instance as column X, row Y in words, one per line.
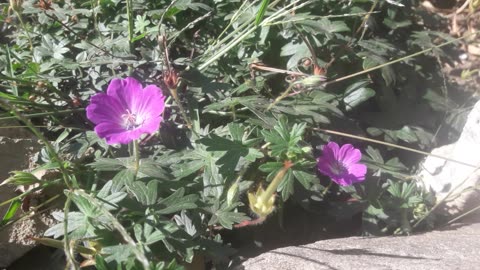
column 458, row 247
column 14, row 242
column 442, row 176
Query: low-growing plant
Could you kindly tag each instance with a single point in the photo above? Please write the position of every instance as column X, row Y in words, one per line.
column 166, row 122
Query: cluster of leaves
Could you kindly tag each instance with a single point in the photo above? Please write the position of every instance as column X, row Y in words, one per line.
column 56, row 55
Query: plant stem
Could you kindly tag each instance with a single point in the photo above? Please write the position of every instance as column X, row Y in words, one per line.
column 463, row 215
column 445, row 198
column 136, row 155
column 26, row 32
column 400, row 59
column 405, row 223
column 364, row 22
column 48, row 145
column 21, row 196
column 272, row 187
column 327, row 188
column 278, row 99
column 130, row 25
column 137, row 250
column 241, row 36
column 174, row 94
column 66, row 243
column 43, row 114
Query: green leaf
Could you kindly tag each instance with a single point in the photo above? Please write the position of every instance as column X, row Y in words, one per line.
column 305, row 178
column 100, row 263
column 371, row 60
column 85, row 206
column 149, row 234
column 374, row 154
column 145, row 194
column 213, row 181
column 176, row 202
column 283, row 140
column 188, row 168
column 77, row 221
column 21, row 178
column 154, row 237
column 324, row 26
column 59, row 244
column 122, row 179
column 357, row 97
column 12, row 209
column 151, row 168
column 270, row 166
column 108, row 164
column 261, row 12
column 286, row 186
column 10, row 70
column 227, row 218
column 406, row 134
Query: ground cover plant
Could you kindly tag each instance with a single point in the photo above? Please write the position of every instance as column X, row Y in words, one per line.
column 169, row 126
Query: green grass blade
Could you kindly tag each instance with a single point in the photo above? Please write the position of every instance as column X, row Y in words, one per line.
column 261, row 11
column 12, row 209
column 10, row 69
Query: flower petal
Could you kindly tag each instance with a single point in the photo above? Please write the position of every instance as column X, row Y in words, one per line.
column 342, row 181
column 104, row 108
column 125, row 91
column 352, row 157
column 324, row 166
column 344, row 152
column 358, row 171
column 113, row 133
column 151, row 125
column 150, row 103
column 330, row 151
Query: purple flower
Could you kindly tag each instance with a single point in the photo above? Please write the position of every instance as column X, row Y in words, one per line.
column 126, row 111
column 341, row 164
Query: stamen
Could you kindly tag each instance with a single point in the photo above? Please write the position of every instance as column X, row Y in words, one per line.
column 130, row 120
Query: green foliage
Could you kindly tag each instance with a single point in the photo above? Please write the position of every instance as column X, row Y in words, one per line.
column 256, row 99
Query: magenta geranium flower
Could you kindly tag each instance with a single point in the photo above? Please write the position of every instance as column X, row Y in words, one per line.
column 126, row 111
column 341, row 164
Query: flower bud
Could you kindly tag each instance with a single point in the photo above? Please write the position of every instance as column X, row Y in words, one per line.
column 314, row 80
column 232, row 193
column 260, row 205
column 170, row 78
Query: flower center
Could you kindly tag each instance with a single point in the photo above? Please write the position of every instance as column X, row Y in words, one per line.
column 130, row 120
column 338, row 168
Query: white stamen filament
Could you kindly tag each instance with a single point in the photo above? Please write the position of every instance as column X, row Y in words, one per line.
column 130, row 120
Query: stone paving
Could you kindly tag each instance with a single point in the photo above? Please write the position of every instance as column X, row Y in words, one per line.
column 456, row 247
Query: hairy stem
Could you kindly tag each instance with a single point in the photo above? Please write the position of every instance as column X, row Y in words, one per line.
column 272, row 187
column 66, row 243
column 136, row 155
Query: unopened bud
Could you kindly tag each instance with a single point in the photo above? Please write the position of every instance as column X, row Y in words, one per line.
column 232, row 193
column 314, row 80
column 170, row 78
column 259, row 204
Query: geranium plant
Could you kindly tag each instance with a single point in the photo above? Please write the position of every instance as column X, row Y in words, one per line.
column 168, row 123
